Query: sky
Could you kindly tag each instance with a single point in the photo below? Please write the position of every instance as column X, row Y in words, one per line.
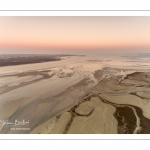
column 50, row 34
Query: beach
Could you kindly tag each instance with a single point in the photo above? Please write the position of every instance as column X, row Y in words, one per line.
column 92, row 94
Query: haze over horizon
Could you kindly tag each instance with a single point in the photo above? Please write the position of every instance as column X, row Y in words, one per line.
column 74, row 35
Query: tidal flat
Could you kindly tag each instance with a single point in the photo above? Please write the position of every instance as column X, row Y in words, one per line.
column 108, row 110
column 77, row 95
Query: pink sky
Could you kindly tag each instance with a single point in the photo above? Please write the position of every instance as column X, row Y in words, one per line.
column 46, row 34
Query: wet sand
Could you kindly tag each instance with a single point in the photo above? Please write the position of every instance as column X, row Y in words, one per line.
column 87, row 96
column 109, row 108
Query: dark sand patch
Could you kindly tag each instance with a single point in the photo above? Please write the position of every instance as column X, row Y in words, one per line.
column 126, row 120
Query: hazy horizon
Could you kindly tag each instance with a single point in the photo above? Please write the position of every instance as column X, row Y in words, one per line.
column 74, row 35
column 72, row 52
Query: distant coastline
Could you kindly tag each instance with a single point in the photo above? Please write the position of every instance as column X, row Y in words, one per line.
column 21, row 59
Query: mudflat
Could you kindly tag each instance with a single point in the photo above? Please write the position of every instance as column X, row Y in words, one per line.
column 111, row 107
column 90, row 94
